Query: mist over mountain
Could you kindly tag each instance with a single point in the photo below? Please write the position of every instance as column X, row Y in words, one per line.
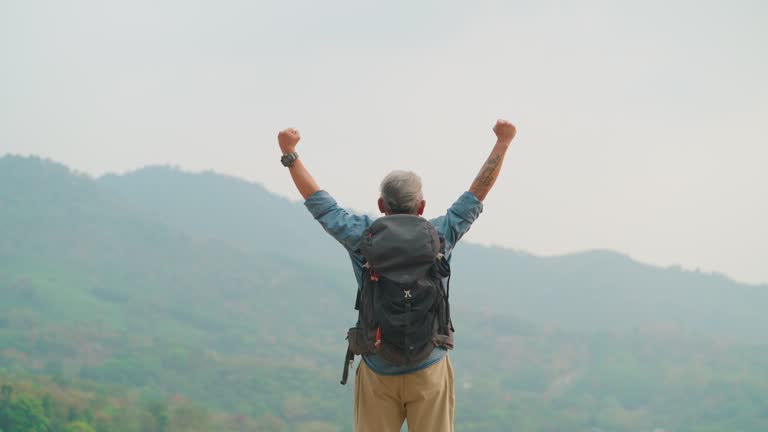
column 162, row 282
column 592, row 290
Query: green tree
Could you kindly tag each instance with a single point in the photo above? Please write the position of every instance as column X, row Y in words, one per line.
column 159, row 411
column 6, row 392
column 188, row 418
column 79, row 426
column 48, row 405
column 23, row 414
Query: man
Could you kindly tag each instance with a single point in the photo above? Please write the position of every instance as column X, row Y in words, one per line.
column 387, row 394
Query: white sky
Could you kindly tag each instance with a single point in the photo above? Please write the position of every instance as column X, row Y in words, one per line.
column 642, row 125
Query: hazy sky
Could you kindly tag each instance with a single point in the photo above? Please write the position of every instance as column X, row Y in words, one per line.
column 641, row 125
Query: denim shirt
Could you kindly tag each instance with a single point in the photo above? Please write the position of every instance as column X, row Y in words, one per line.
column 347, row 228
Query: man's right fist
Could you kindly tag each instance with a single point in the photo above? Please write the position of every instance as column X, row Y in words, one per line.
column 288, row 138
column 505, row 131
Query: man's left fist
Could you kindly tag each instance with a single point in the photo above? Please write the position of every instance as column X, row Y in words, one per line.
column 288, row 138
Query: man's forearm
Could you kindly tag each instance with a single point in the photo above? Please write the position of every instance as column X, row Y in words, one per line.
column 288, row 139
column 490, row 171
column 303, row 179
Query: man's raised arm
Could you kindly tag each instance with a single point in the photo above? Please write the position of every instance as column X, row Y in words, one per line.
column 303, row 180
column 505, row 133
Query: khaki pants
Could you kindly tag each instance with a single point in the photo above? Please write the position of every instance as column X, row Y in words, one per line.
column 425, row 399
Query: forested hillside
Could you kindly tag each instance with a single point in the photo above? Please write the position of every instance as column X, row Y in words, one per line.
column 160, row 290
column 590, row 291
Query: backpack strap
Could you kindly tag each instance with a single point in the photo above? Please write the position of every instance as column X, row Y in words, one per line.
column 349, row 359
column 365, row 276
column 442, row 270
column 448, row 304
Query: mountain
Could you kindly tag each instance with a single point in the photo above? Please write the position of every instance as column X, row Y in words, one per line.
column 126, row 268
column 603, row 290
column 171, row 285
column 588, row 291
column 218, row 207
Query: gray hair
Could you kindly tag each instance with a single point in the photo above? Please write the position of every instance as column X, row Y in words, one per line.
column 401, row 192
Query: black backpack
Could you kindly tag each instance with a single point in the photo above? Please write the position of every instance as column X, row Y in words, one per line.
column 403, row 307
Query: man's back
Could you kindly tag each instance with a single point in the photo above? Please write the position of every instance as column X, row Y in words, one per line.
column 348, row 228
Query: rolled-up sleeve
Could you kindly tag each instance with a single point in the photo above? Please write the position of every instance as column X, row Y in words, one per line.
column 458, row 219
column 345, row 227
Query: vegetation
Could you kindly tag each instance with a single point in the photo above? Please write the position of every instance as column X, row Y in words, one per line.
column 35, row 404
column 165, row 301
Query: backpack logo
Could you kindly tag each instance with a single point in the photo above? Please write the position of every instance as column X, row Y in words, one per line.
column 407, row 294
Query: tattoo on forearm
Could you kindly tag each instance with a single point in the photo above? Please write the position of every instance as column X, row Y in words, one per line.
column 487, row 176
column 489, row 172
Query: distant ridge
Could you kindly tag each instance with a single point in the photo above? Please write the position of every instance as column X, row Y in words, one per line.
column 580, row 291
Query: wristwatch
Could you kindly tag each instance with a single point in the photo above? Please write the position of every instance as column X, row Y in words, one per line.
column 289, row 159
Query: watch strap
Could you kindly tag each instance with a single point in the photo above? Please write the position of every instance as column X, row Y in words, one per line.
column 289, row 158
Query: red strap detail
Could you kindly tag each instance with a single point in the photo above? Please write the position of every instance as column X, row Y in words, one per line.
column 378, row 338
column 375, row 276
